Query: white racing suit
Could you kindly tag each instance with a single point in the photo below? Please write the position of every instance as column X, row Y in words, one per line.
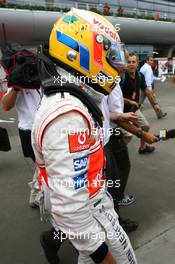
column 69, row 153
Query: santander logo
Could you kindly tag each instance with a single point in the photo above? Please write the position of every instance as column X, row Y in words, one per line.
column 82, row 138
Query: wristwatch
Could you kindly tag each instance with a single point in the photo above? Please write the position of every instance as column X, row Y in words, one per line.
column 140, row 133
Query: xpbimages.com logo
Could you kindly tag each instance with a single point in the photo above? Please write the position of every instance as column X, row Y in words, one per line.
column 101, row 236
column 100, row 79
column 80, row 27
column 104, row 132
column 81, row 181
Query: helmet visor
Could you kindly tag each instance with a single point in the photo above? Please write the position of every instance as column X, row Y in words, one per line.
column 116, row 55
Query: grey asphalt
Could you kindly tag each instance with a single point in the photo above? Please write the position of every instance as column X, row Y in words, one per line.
column 152, row 182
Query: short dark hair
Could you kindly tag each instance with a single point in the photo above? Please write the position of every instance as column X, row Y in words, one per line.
column 148, row 57
column 131, row 54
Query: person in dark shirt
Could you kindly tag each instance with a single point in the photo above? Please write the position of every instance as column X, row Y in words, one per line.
column 132, row 83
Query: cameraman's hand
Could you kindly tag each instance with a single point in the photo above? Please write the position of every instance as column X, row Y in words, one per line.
column 149, row 137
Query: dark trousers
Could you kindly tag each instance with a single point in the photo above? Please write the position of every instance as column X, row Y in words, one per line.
column 25, row 137
column 112, row 174
column 117, row 166
column 4, row 140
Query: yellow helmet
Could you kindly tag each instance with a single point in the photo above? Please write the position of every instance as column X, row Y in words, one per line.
column 88, row 45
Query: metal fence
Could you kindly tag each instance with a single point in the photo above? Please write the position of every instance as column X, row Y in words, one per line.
column 148, row 9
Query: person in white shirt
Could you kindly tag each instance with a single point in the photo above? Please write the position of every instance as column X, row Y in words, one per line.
column 26, row 103
column 147, row 71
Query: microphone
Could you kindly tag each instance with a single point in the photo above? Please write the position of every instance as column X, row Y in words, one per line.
column 170, row 133
column 166, row 134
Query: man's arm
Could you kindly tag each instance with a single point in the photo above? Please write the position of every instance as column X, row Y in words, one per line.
column 130, row 102
column 155, row 78
column 152, row 99
column 126, row 101
column 9, row 99
column 146, row 136
column 125, row 117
